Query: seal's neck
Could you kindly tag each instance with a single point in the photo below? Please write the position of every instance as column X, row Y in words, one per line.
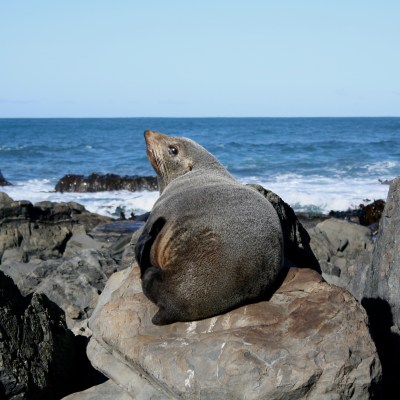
column 212, row 168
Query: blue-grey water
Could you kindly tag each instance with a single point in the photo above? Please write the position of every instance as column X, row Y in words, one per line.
column 314, row 164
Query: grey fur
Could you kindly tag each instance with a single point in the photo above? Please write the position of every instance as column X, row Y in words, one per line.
column 210, row 243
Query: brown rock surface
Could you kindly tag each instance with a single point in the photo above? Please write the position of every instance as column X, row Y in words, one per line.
column 310, row 340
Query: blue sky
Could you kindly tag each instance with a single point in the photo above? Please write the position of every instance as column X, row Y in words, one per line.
column 205, row 58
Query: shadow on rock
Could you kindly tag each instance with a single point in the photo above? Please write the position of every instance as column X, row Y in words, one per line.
column 387, row 342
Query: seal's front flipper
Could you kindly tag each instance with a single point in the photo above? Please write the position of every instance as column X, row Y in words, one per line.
column 144, row 243
column 151, row 283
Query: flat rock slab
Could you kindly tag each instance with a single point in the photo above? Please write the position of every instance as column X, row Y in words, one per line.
column 310, row 340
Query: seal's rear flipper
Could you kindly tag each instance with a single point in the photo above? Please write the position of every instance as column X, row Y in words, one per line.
column 162, row 317
column 144, row 243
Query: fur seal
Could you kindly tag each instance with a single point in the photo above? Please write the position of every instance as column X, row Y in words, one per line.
column 210, row 244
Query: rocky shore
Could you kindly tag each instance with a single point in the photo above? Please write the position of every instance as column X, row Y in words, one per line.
column 68, row 279
column 99, row 183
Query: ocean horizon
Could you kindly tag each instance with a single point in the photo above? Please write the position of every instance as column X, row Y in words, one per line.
column 316, row 164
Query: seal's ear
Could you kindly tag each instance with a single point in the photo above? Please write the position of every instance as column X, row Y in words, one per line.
column 144, row 243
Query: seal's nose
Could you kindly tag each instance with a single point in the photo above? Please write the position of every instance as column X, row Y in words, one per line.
column 154, row 136
column 151, row 135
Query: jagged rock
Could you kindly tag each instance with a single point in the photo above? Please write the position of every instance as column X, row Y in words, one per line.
column 381, row 296
column 74, row 282
column 41, row 230
column 4, row 181
column 310, row 340
column 79, row 241
column 98, row 183
column 112, row 232
column 47, row 247
column 344, row 251
column 39, row 357
column 295, row 238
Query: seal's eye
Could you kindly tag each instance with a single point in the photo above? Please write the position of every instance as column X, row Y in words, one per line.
column 172, row 150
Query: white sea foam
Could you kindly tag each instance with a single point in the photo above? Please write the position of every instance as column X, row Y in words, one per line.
column 11, row 148
column 313, row 194
column 104, row 203
column 381, row 167
column 322, row 194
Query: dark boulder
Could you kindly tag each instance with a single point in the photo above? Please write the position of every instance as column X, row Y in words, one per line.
column 372, row 213
column 364, row 214
column 4, row 181
column 99, row 183
column 296, row 240
column 39, row 357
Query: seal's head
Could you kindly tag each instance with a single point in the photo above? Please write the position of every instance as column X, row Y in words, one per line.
column 172, row 157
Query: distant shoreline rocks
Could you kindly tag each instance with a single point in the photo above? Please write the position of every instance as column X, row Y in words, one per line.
column 4, row 181
column 366, row 214
column 102, row 183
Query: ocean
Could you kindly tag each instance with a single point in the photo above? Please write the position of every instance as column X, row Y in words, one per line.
column 314, row 164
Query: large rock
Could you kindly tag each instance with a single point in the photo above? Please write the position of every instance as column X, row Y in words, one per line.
column 310, row 340
column 381, row 296
column 98, row 183
column 344, row 252
column 384, row 274
column 39, row 357
column 105, row 391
